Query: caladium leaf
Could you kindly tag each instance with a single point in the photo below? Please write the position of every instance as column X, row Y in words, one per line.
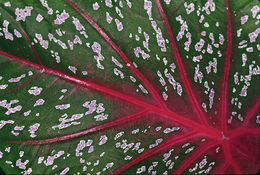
column 129, row 87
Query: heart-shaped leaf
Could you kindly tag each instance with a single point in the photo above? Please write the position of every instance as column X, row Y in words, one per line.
column 129, row 86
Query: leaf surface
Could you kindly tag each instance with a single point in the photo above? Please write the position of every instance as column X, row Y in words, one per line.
column 129, row 87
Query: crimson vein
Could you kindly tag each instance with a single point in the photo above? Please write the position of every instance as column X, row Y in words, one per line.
column 224, row 95
column 208, row 131
column 128, row 62
column 85, row 132
column 183, row 74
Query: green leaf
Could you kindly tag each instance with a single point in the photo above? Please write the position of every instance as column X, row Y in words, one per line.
column 129, row 87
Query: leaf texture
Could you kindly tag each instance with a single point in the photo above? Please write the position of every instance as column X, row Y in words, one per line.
column 129, row 87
